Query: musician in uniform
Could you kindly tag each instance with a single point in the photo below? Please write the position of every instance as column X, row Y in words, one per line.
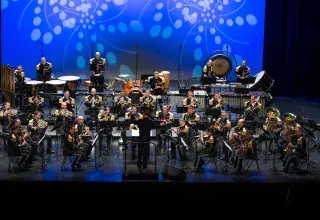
column 183, row 132
column 208, row 76
column 44, row 70
column 93, row 101
column 131, row 118
column 286, row 134
column 166, row 119
column 19, row 76
column 19, row 144
column 83, row 132
column 97, row 65
column 73, row 147
column 7, row 116
column 157, row 86
column 105, row 115
column 248, row 147
column 191, row 118
column 122, row 103
column 71, row 102
column 38, row 127
column 242, row 71
column 145, row 125
column 252, row 109
column 64, row 118
column 147, row 102
column 190, row 100
column 209, row 150
column 36, row 102
column 215, row 106
column 297, row 148
column 238, row 135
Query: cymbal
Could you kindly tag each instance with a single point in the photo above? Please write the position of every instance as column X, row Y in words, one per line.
column 123, row 75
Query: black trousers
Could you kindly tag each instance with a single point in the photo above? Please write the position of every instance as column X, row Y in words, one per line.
column 292, row 158
column 143, row 152
column 160, row 132
column 202, row 154
column 108, row 134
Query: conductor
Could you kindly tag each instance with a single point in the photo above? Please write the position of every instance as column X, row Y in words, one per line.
column 145, row 125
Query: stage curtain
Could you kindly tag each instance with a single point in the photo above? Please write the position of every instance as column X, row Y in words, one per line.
column 291, row 47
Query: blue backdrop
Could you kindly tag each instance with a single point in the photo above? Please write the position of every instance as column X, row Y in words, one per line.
column 68, row 28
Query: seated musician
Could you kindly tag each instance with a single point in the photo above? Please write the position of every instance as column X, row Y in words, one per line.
column 166, row 119
column 19, row 76
column 209, row 150
column 83, row 132
column 190, row 100
column 297, row 148
column 242, row 71
column 71, row 102
column 183, row 132
column 207, row 77
column 286, row 134
column 131, row 118
column 63, row 118
column 37, row 128
column 93, row 101
column 147, row 102
column 272, row 125
column 252, row 109
column 248, row 147
column 19, row 144
column 122, row 103
column 36, row 102
column 191, row 118
column 73, row 146
column 156, row 84
column 105, row 115
column 224, row 124
column 97, row 65
column 237, row 137
column 7, row 115
column 44, row 70
column 216, row 106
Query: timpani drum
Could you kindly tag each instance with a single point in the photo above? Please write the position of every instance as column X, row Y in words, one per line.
column 58, row 84
column 139, row 83
column 72, row 82
column 35, row 84
column 166, row 76
column 88, row 83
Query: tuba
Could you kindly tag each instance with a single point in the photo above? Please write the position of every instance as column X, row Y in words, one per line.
column 272, row 120
column 288, row 131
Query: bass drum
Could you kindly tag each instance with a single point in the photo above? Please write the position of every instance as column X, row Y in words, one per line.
column 263, row 82
column 221, row 65
column 135, row 95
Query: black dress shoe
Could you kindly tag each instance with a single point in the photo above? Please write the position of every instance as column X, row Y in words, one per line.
column 50, row 152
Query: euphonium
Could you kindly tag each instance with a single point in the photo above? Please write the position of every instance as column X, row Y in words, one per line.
column 42, row 123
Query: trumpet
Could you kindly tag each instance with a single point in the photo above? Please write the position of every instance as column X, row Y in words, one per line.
column 93, row 102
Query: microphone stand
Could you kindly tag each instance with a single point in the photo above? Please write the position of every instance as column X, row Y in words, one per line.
column 137, row 56
column 179, row 67
column 92, row 53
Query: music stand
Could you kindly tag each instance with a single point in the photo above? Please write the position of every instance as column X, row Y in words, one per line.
column 43, row 161
column 93, row 143
column 93, row 114
column 227, row 166
column 97, row 80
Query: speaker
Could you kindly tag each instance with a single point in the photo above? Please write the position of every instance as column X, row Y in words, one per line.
column 173, row 173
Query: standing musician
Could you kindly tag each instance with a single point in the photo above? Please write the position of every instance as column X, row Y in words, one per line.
column 122, row 103
column 36, row 102
column 64, row 118
column 191, row 118
column 252, row 109
column 37, row 128
column 105, row 115
column 7, row 116
column 156, row 84
column 147, row 102
column 73, row 147
column 71, row 102
column 209, row 150
column 93, row 101
column 247, row 148
column 238, row 136
column 183, row 132
column 297, row 148
column 97, row 65
column 166, row 119
column 190, row 100
column 44, row 70
column 242, row 71
column 145, row 125
column 83, row 132
column 216, row 106
column 19, row 144
column 19, row 76
column 208, row 76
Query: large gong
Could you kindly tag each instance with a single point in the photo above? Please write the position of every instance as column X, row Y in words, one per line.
column 221, row 65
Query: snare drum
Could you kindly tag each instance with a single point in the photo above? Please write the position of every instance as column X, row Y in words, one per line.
column 139, row 83
column 126, row 88
column 88, row 83
column 72, row 82
column 59, row 84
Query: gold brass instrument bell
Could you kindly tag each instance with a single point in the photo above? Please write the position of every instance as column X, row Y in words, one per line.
column 289, row 117
column 272, row 112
